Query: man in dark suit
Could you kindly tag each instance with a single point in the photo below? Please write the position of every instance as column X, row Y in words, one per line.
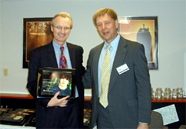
column 127, row 104
column 58, row 112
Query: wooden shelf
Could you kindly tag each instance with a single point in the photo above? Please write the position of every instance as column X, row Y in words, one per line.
column 27, row 96
column 16, row 96
column 87, row 98
column 181, row 100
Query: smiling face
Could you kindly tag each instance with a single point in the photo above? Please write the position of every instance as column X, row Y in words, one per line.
column 107, row 27
column 61, row 29
column 63, row 83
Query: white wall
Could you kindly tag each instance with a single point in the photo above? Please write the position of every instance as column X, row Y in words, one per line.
column 171, row 34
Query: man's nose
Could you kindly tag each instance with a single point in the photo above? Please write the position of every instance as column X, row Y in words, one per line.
column 62, row 30
column 103, row 26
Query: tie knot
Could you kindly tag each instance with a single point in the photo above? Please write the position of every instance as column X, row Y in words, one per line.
column 108, row 47
column 61, row 48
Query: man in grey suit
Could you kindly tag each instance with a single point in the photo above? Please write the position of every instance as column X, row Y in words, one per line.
column 127, row 104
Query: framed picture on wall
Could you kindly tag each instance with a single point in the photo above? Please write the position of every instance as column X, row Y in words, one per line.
column 36, row 33
column 145, row 31
column 52, row 80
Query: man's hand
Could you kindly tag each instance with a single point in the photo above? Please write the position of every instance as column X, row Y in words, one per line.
column 54, row 101
column 143, row 126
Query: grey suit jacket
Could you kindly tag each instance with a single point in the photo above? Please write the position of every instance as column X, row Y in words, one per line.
column 129, row 94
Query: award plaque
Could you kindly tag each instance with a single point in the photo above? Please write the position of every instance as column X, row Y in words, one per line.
column 17, row 117
column 52, row 80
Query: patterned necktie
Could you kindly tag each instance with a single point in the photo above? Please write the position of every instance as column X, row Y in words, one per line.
column 63, row 61
column 105, row 79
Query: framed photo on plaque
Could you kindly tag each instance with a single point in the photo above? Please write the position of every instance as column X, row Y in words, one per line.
column 52, row 80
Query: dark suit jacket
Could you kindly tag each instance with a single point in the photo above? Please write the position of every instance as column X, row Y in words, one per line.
column 45, row 57
column 129, row 94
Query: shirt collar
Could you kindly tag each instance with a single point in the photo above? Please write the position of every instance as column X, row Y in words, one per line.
column 114, row 43
column 57, row 46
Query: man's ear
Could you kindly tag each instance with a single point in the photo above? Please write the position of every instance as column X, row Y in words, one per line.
column 116, row 23
column 51, row 28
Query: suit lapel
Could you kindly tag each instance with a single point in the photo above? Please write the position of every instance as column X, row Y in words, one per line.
column 95, row 63
column 118, row 61
column 51, row 56
column 72, row 55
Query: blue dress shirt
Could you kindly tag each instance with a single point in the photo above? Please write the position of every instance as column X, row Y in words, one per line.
column 67, row 56
column 113, row 49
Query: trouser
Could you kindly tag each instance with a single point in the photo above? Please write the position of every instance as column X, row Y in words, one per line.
column 58, row 117
column 103, row 120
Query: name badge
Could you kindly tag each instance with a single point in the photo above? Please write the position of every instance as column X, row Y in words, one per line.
column 123, row 68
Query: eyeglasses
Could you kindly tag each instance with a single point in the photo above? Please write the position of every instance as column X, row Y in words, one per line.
column 60, row 27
